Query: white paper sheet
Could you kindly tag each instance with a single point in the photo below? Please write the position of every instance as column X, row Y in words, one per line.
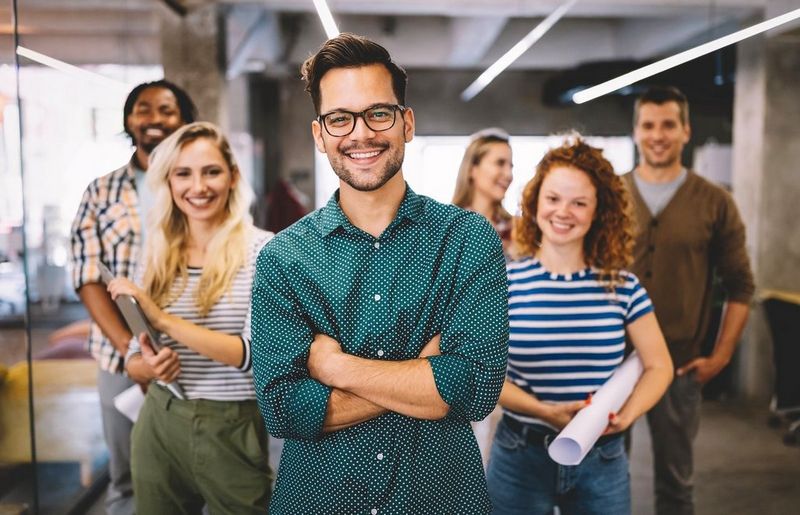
column 130, row 402
column 578, row 437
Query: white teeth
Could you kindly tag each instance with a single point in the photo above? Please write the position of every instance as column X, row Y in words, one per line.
column 558, row 225
column 154, row 132
column 364, row 155
column 199, row 201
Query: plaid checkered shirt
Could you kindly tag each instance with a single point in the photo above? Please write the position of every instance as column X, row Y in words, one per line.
column 107, row 229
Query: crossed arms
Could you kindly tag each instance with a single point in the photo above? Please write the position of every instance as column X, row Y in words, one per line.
column 307, row 386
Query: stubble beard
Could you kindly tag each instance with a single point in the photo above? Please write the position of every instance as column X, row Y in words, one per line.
column 358, row 181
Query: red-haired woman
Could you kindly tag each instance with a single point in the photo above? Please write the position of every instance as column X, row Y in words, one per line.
column 571, row 306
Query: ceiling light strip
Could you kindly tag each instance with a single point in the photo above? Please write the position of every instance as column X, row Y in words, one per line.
column 70, row 69
column 670, row 62
column 325, row 16
column 515, row 52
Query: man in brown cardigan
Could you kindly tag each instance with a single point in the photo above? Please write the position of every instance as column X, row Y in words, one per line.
column 689, row 230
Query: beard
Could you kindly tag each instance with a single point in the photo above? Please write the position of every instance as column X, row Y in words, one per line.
column 368, row 181
column 149, row 146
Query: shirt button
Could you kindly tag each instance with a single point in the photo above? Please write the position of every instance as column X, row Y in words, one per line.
column 380, row 456
column 377, row 297
column 380, row 352
column 374, row 511
column 377, row 245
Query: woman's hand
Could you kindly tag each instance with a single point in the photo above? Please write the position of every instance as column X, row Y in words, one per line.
column 123, row 286
column 164, row 365
column 559, row 415
column 618, row 422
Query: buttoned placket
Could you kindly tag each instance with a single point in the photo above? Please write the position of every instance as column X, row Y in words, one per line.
column 377, row 296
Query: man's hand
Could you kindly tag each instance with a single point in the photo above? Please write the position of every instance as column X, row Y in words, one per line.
column 165, row 366
column 322, row 358
column 432, row 347
column 560, row 414
column 705, row 369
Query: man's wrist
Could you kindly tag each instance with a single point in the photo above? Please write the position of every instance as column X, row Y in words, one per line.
column 336, row 370
column 720, row 359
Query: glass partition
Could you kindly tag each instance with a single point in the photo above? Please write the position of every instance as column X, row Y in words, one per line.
column 76, row 67
column 17, row 473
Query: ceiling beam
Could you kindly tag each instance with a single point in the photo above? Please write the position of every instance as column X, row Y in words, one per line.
column 471, row 38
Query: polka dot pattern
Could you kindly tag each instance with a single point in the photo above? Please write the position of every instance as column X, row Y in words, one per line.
column 436, row 269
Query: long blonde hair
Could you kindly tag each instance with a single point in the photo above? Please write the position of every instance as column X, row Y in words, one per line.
column 476, row 150
column 166, row 258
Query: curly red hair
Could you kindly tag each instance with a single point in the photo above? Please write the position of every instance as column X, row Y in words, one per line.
column 608, row 245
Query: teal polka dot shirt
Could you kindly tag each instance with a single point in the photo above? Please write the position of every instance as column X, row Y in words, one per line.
column 436, row 269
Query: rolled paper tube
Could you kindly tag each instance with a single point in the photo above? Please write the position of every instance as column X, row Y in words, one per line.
column 129, row 402
column 577, row 438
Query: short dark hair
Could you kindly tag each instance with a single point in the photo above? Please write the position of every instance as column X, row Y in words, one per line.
column 350, row 51
column 185, row 105
column 661, row 95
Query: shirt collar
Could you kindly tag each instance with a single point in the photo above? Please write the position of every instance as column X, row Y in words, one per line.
column 331, row 217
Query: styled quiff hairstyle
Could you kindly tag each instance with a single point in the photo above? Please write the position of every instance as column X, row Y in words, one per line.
column 477, row 149
column 608, row 245
column 660, row 95
column 350, row 51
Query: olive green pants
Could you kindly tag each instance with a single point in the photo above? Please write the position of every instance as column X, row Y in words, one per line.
column 186, row 454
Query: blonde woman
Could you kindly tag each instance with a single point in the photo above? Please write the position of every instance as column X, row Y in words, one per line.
column 200, row 255
column 484, row 177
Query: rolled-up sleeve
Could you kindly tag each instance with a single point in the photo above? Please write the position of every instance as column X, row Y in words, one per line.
column 292, row 403
column 470, row 371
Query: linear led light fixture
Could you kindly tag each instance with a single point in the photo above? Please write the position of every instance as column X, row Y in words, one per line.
column 70, row 69
column 515, row 52
column 325, row 16
column 670, row 62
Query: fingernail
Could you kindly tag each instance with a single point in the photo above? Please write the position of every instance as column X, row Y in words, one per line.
column 612, row 416
column 588, row 399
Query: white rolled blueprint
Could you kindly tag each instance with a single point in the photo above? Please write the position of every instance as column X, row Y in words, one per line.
column 577, row 438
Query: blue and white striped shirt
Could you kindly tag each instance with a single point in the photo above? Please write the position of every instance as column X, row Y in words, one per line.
column 566, row 332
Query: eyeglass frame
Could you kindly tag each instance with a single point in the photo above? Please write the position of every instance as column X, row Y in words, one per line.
column 362, row 114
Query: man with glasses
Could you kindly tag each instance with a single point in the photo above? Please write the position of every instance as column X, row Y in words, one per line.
column 379, row 322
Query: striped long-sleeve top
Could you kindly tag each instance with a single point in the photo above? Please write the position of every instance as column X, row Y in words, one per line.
column 566, row 332
column 201, row 377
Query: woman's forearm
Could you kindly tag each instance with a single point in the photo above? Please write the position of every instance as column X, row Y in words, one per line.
column 221, row 347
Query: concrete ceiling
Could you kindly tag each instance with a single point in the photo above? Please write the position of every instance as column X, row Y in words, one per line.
column 274, row 35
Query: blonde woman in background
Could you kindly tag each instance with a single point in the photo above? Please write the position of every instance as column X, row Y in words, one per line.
column 483, row 179
column 210, row 449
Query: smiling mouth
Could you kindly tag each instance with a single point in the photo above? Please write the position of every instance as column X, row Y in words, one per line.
column 154, row 132
column 363, row 154
column 560, row 226
column 199, row 201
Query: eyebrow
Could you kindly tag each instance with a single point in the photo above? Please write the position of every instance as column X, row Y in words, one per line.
column 371, row 106
column 203, row 169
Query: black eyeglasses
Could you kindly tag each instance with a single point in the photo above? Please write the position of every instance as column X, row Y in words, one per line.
column 378, row 118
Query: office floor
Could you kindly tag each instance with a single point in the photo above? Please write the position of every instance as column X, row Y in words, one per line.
column 742, row 465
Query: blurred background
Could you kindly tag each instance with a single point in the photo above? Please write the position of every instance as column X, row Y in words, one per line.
column 66, row 67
